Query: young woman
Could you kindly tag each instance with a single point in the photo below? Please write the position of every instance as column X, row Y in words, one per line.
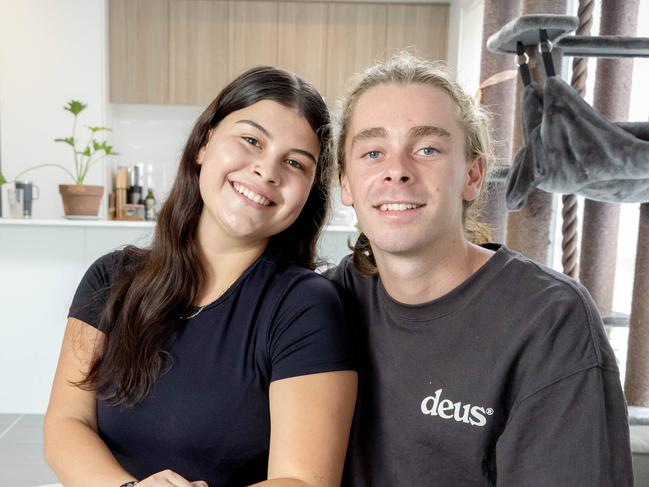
column 215, row 357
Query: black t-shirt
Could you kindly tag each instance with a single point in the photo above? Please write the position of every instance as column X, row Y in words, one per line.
column 507, row 380
column 207, row 416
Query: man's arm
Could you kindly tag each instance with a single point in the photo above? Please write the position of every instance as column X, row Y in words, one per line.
column 572, row 432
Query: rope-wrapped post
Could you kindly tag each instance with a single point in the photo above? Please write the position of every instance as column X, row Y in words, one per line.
column 611, row 98
column 529, row 229
column 570, row 208
column 498, row 99
column 636, row 386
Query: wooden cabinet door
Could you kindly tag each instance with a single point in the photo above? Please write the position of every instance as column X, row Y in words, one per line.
column 198, row 57
column 138, row 49
column 356, row 37
column 302, row 41
column 422, row 29
column 252, row 35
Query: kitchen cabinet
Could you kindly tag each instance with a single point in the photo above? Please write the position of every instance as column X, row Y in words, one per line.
column 42, row 262
column 198, row 32
column 184, row 51
column 253, row 30
column 139, row 51
column 424, row 27
column 356, row 37
column 302, row 39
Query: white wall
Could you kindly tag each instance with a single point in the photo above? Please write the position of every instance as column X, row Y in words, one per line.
column 50, row 52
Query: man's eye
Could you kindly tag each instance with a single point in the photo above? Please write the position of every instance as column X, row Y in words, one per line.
column 295, row 164
column 427, row 151
column 251, row 140
column 373, row 154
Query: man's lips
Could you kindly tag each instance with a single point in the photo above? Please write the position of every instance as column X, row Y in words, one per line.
column 251, row 195
column 397, row 206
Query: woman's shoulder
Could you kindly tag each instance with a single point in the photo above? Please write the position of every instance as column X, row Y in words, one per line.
column 287, row 270
column 293, row 280
column 109, row 266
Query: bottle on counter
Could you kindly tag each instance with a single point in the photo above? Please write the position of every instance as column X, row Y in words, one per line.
column 149, row 204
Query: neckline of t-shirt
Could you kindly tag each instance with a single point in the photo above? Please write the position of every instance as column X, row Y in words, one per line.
column 458, row 298
column 228, row 292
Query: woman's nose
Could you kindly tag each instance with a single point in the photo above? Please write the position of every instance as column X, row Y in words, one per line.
column 268, row 170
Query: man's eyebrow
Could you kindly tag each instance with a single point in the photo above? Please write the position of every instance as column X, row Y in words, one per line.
column 258, row 127
column 424, row 130
column 369, row 133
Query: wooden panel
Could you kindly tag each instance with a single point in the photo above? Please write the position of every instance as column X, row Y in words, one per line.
column 139, row 51
column 252, row 35
column 356, row 37
column 421, row 28
column 198, row 32
column 302, row 40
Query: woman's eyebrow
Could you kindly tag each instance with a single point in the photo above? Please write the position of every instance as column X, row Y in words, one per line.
column 267, row 134
column 258, row 127
column 304, row 153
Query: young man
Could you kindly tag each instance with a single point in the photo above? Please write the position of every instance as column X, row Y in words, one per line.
column 478, row 366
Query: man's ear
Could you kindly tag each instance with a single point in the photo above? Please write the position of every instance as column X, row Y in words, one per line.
column 474, row 179
column 345, row 192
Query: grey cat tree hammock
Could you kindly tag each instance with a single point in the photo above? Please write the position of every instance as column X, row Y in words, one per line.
column 569, row 146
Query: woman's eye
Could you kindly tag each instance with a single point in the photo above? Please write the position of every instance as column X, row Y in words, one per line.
column 251, row 140
column 373, row 154
column 295, row 164
column 427, row 151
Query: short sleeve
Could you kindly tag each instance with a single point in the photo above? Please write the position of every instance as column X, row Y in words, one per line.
column 93, row 290
column 573, row 432
column 309, row 334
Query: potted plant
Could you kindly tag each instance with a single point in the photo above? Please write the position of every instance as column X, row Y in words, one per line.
column 79, row 199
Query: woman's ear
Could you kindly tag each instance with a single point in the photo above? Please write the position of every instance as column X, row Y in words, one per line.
column 474, row 178
column 201, row 152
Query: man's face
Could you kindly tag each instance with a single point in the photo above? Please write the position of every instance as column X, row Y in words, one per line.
column 405, row 172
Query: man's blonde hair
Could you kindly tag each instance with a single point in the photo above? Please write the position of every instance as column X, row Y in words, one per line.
column 405, row 69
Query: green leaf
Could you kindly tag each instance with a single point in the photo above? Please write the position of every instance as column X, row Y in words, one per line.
column 108, row 149
column 2, row 179
column 85, row 152
column 75, row 107
column 67, row 140
column 94, row 130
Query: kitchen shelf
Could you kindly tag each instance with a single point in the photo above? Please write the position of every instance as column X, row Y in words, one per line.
column 120, row 224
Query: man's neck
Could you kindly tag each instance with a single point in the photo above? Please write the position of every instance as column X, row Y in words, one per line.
column 430, row 274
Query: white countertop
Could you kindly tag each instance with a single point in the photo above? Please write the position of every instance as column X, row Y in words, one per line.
column 63, row 222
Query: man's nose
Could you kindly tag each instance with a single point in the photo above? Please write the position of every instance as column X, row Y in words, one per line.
column 397, row 169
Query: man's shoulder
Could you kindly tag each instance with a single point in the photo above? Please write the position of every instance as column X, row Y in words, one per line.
column 539, row 280
column 346, row 276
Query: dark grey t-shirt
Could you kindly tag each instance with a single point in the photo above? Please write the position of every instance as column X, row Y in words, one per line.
column 507, row 380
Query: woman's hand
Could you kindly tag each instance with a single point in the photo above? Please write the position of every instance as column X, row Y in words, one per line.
column 169, row 478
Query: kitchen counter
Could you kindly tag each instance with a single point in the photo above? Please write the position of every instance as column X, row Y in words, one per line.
column 41, row 264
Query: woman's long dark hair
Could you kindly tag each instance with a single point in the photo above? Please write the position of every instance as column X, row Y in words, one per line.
column 158, row 284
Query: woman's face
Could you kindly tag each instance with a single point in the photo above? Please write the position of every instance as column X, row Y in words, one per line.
column 257, row 170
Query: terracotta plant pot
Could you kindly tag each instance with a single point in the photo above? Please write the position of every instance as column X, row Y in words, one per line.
column 81, row 199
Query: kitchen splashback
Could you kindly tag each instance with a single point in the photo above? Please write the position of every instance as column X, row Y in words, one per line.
column 153, row 136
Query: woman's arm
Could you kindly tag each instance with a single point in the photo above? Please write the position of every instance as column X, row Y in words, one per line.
column 310, row 420
column 73, row 448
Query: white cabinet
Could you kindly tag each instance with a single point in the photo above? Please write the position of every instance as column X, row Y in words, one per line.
column 41, row 263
